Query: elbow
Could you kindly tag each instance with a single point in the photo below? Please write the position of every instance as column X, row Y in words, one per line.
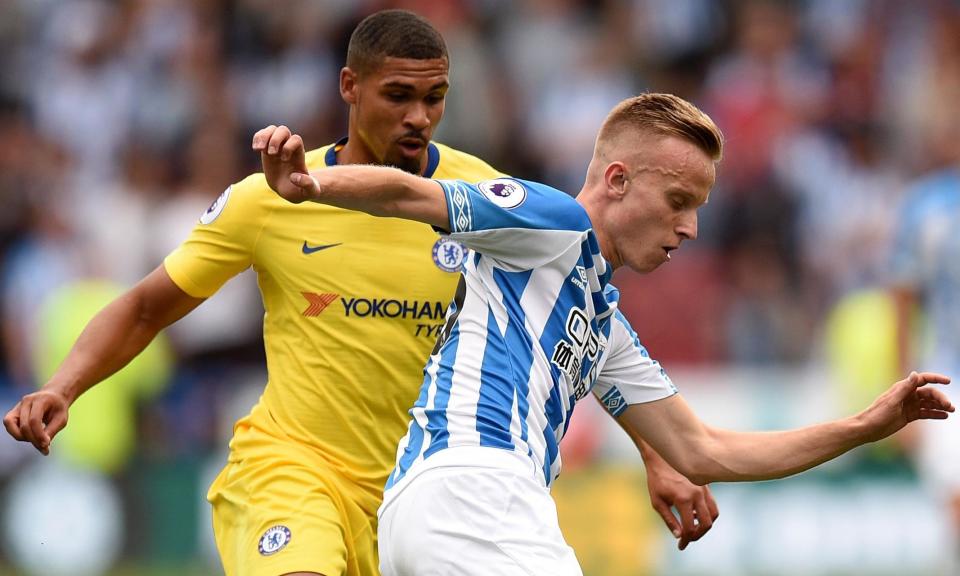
column 696, row 472
column 700, row 464
column 699, row 478
column 690, row 465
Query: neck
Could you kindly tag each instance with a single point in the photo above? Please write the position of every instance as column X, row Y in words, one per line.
column 596, row 211
column 355, row 151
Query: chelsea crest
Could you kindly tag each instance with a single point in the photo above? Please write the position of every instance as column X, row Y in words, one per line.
column 449, row 255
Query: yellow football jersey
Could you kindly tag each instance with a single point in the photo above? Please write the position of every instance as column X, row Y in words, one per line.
column 353, row 305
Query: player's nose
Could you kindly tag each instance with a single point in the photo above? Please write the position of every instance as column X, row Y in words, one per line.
column 417, row 117
column 687, row 227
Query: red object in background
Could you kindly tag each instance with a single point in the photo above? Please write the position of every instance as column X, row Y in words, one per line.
column 678, row 311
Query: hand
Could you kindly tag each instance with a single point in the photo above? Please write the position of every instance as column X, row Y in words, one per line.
column 284, row 164
column 906, row 401
column 694, row 504
column 37, row 418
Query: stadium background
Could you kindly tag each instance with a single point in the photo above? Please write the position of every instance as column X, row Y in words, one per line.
column 120, row 121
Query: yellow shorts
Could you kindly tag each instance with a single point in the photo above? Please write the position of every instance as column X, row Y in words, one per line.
column 277, row 510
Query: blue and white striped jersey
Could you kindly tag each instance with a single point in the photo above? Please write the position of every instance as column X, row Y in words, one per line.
column 534, row 327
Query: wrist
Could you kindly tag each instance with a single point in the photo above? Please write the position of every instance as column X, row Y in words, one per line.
column 65, row 389
column 862, row 429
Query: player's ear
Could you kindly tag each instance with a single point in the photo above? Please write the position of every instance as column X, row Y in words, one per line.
column 615, row 179
column 348, row 85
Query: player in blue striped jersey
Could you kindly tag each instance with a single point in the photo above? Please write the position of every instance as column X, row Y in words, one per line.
column 534, row 327
column 537, row 307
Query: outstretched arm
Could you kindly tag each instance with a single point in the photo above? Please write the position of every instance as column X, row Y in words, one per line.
column 109, row 342
column 706, row 454
column 376, row 190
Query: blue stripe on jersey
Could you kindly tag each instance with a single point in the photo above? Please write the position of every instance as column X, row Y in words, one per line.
column 415, row 443
column 554, row 332
column 495, row 404
column 518, row 341
column 602, row 299
column 437, row 416
column 555, row 415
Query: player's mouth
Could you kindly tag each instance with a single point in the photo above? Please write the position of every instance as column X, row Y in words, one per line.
column 667, row 250
column 412, row 147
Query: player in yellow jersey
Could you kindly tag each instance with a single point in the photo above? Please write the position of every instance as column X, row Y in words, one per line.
column 353, row 305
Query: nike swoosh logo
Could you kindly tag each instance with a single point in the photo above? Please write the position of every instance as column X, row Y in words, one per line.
column 311, row 249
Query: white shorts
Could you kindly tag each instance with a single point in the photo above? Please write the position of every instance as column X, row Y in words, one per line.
column 492, row 517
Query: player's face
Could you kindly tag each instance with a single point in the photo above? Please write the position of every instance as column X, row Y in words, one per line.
column 395, row 109
column 670, row 180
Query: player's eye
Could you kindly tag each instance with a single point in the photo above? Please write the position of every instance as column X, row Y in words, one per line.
column 435, row 98
column 396, row 96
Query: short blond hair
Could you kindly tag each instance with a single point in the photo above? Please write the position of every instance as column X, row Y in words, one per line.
column 664, row 114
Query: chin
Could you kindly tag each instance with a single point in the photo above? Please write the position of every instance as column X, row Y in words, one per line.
column 649, row 266
column 412, row 165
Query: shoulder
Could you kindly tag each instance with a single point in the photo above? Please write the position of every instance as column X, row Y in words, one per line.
column 553, row 202
column 458, row 165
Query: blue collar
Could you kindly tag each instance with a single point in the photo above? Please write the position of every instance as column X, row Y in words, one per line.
column 433, row 156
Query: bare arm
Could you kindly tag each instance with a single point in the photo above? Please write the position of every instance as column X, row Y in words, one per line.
column 670, row 490
column 111, row 340
column 376, row 190
column 706, row 454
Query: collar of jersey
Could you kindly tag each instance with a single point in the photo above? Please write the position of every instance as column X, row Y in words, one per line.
column 433, row 156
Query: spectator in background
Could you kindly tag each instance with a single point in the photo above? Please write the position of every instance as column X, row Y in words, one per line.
column 926, row 290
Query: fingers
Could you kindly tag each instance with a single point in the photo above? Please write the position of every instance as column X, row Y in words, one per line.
column 923, row 378
column 279, row 136
column 36, row 419
column 11, row 421
column 307, row 184
column 274, row 139
column 58, row 420
column 928, row 414
column 711, row 504
column 35, row 425
column 262, row 136
column 666, row 513
column 291, row 147
column 934, row 399
column 704, row 518
column 688, row 524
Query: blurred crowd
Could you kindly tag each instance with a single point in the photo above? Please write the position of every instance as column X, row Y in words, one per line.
column 120, row 121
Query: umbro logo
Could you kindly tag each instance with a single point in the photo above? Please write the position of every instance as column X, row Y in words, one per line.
column 307, row 249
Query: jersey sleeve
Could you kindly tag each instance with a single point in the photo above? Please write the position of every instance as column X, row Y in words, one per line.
column 222, row 243
column 520, row 224
column 630, row 375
